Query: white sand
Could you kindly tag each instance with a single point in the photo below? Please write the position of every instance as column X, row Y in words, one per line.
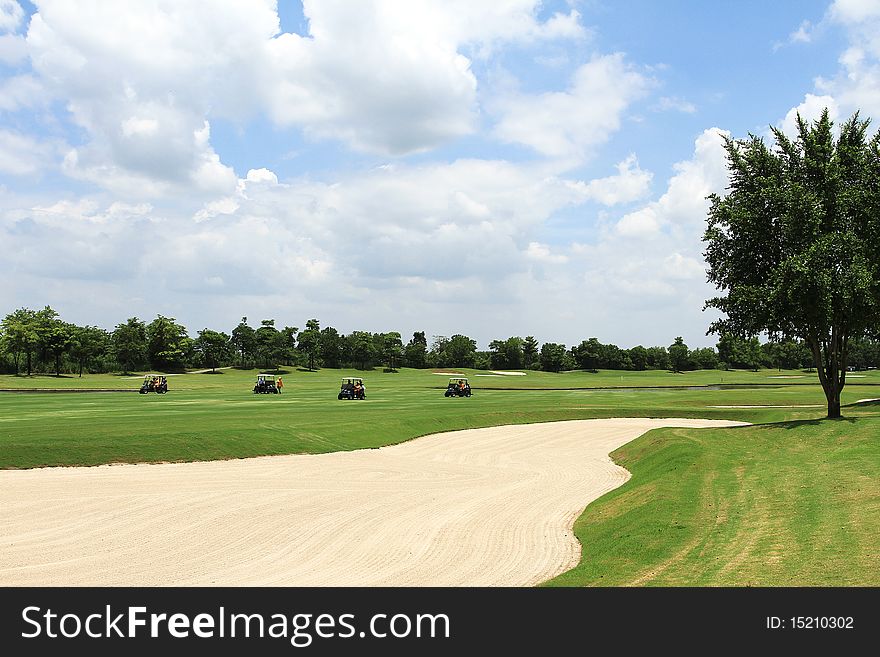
column 502, row 372
column 491, row 507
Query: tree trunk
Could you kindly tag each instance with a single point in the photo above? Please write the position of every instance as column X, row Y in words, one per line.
column 832, row 375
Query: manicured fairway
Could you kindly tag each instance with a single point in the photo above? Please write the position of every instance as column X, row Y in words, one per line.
column 216, row 416
column 784, row 504
column 795, row 500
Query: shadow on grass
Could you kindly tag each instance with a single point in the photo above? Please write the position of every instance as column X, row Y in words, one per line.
column 796, row 424
column 874, row 403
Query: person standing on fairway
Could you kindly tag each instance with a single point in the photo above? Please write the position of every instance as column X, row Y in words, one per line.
column 280, row 385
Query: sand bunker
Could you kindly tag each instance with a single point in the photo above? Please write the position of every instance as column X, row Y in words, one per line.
column 483, row 507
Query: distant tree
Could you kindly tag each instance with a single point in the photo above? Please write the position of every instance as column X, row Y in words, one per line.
column 287, row 349
column 752, row 354
column 390, row 346
column 613, row 357
column 21, row 335
column 793, row 245
column 56, row 338
column 482, row 360
column 244, row 341
column 704, row 359
column 362, row 349
column 438, row 356
column 678, row 355
column 331, row 347
column 864, row 353
column 587, row 354
column 129, row 342
column 416, row 351
column 269, row 343
column 638, row 356
column 167, row 344
column 658, row 358
column 212, row 348
column 729, row 350
column 88, row 343
column 506, row 354
column 530, row 351
column 461, row 350
column 553, row 357
column 309, row 342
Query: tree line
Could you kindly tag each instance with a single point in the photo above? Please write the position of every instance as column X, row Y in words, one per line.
column 40, row 341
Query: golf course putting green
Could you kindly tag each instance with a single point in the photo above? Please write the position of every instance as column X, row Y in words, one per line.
column 480, row 507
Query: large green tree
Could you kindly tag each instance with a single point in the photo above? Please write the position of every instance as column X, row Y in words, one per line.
column 244, row 341
column 269, row 343
column 88, row 343
column 21, row 335
column 794, row 246
column 309, row 342
column 167, row 344
column 212, row 348
column 416, row 351
column 530, row 351
column 678, row 355
column 129, row 341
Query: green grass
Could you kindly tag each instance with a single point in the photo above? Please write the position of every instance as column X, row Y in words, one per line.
column 216, row 416
column 792, row 501
column 782, row 504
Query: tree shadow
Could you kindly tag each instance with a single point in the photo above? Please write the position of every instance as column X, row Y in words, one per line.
column 864, row 404
column 796, row 424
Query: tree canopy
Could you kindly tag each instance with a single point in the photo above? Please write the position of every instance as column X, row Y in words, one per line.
column 794, row 243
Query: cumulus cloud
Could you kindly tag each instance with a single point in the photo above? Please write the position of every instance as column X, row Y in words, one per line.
column 682, row 208
column 809, row 110
column 11, row 15
column 144, row 83
column 571, row 123
column 629, row 184
column 667, row 103
column 21, row 155
column 857, row 85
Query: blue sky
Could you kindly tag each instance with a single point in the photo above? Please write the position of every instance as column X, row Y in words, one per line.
column 491, row 168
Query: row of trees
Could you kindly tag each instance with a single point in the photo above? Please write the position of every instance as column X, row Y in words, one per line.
column 39, row 340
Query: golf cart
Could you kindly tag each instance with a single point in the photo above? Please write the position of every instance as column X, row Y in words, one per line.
column 154, row 383
column 266, row 384
column 458, row 387
column 352, row 388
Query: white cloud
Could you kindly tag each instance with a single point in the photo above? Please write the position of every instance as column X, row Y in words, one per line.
column 682, row 209
column 11, row 15
column 630, row 184
column 262, row 176
column 809, row 110
column 21, row 92
column 143, row 83
column 22, row 155
column 570, row 124
column 13, row 49
column 854, row 11
column 677, row 104
column 857, row 85
column 803, row 34
column 543, row 253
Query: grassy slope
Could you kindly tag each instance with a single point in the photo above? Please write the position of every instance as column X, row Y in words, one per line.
column 790, row 503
